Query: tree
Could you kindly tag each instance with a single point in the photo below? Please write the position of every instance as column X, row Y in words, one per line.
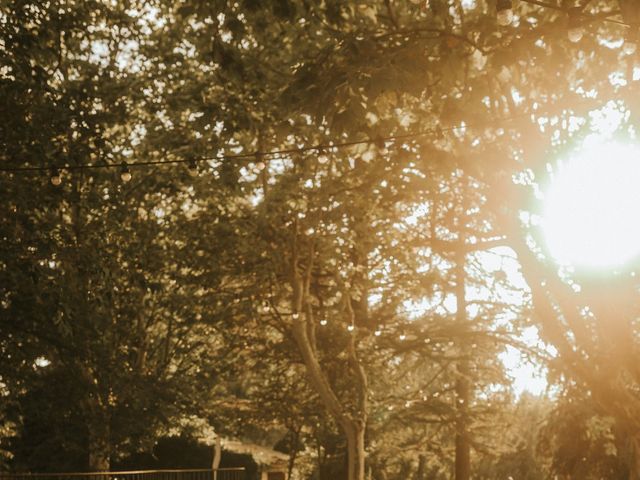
column 308, row 259
column 574, row 322
column 579, row 442
column 256, row 254
column 89, row 275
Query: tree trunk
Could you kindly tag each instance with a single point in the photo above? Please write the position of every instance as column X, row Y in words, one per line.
column 634, row 458
column 99, row 445
column 355, row 449
column 422, row 468
column 463, row 448
column 353, row 429
column 302, row 329
column 293, row 451
column 463, row 386
column 217, row 456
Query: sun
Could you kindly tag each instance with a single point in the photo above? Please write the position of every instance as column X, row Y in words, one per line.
column 592, row 207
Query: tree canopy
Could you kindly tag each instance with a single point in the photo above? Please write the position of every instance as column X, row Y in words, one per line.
column 316, row 224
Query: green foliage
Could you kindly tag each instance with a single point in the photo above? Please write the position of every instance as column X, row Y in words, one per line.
column 580, row 442
column 170, row 297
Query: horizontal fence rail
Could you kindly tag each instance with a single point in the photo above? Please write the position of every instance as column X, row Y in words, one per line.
column 219, row 474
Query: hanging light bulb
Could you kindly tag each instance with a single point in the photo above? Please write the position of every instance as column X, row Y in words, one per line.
column 192, row 166
column 576, row 30
column 351, row 328
column 322, row 156
column 55, row 177
column 630, row 44
column 260, row 165
column 575, row 34
column 504, row 12
column 402, row 336
column 378, row 332
column 125, row 173
column 323, row 322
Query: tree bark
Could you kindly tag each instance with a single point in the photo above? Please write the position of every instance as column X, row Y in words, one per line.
column 293, row 451
column 634, row 460
column 98, row 422
column 353, row 429
column 422, row 468
column 99, row 445
column 217, row 456
column 302, row 330
column 355, row 448
column 463, row 384
column 463, row 447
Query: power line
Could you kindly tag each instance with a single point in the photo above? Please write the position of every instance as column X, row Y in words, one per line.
column 192, row 162
column 322, row 147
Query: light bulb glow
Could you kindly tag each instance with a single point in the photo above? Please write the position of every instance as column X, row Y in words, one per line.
column 575, row 34
column 193, row 168
column 351, row 328
column 575, row 30
column 323, row 322
column 125, row 173
column 591, row 208
column 629, row 47
column 55, row 178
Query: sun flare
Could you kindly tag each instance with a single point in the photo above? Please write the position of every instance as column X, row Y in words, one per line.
column 591, row 217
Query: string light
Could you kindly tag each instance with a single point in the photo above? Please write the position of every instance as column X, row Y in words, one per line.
column 259, row 155
column 192, row 167
column 125, row 173
column 576, row 30
column 323, row 322
column 351, row 327
column 504, row 11
column 55, row 177
column 322, row 156
column 260, row 165
column 630, row 44
column 378, row 332
column 437, row 132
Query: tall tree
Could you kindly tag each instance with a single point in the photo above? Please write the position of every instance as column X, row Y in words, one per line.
column 89, row 272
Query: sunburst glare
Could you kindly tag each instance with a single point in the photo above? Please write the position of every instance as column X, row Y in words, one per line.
column 591, row 207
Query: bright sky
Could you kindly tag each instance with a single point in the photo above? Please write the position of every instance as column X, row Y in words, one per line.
column 591, row 206
column 590, row 215
column 591, row 202
column 526, row 374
